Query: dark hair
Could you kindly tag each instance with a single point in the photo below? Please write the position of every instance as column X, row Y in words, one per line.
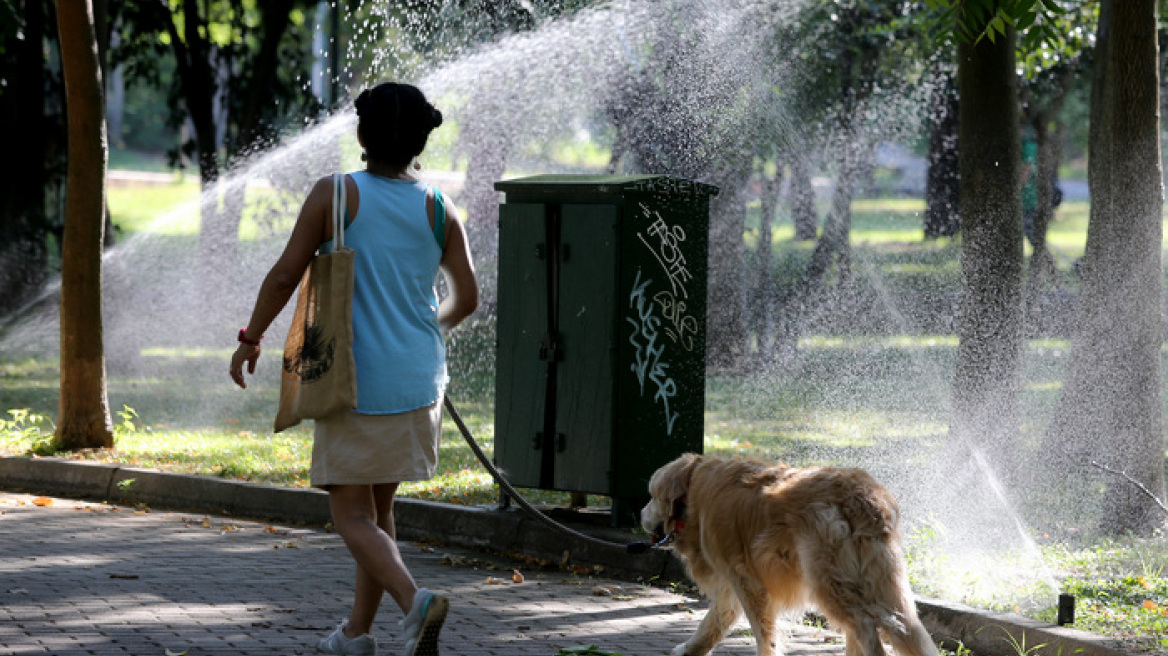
column 395, row 120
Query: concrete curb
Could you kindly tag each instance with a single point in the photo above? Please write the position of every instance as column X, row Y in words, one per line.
column 471, row 527
column 506, row 532
column 1002, row 634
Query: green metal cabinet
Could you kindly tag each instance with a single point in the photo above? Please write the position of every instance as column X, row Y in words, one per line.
column 600, row 360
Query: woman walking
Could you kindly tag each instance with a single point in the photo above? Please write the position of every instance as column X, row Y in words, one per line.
column 402, row 234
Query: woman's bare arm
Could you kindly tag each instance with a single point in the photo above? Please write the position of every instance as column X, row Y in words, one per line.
column 458, row 267
column 312, row 228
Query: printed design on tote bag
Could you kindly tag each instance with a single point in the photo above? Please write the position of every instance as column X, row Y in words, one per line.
column 315, row 359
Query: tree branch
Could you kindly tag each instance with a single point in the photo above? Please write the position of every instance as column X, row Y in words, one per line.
column 1134, row 482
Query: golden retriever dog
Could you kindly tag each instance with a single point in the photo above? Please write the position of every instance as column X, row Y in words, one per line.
column 764, row 538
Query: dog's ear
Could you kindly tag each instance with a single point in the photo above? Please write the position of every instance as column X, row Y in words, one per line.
column 680, row 472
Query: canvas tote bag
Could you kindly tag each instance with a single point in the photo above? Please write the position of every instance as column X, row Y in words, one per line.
column 319, row 373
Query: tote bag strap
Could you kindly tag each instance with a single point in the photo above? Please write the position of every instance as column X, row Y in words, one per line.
column 340, row 210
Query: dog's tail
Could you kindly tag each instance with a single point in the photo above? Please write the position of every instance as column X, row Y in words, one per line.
column 862, row 566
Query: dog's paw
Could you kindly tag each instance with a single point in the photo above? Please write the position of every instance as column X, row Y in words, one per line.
column 680, row 650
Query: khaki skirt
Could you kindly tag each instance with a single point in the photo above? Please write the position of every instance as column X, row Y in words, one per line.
column 351, row 448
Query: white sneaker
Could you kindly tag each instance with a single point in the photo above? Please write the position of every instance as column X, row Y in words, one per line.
column 336, row 643
column 422, row 626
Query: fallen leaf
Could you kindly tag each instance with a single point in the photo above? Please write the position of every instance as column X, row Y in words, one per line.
column 42, row 501
column 602, row 591
column 176, row 653
column 516, row 576
column 494, row 581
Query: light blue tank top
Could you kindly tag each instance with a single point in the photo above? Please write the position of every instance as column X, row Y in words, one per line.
column 397, row 344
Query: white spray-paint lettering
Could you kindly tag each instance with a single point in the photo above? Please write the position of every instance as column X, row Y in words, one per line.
column 667, row 250
column 680, row 326
column 648, row 361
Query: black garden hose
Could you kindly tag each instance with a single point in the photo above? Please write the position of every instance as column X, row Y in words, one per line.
column 632, row 548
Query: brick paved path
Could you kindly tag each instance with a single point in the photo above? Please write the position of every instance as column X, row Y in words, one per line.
column 83, row 578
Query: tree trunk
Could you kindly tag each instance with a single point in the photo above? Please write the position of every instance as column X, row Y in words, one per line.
column 275, row 17
column 987, row 377
column 115, row 98
column 726, row 316
column 84, row 418
column 1044, row 172
column 855, row 157
column 837, row 227
column 1111, row 409
column 23, row 223
column 764, row 291
column 1042, row 265
column 833, row 247
column 942, row 189
column 103, row 29
column 193, row 59
column 802, row 199
column 223, row 212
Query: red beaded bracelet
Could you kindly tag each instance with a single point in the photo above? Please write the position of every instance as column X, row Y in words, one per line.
column 250, row 342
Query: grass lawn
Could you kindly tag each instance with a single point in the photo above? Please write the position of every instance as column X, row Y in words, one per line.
column 876, row 398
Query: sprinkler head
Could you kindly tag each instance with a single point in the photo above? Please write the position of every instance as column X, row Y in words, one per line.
column 1066, row 609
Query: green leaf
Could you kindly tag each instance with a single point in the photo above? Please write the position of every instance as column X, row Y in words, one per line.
column 977, row 11
column 964, row 32
column 1021, row 8
column 1053, row 7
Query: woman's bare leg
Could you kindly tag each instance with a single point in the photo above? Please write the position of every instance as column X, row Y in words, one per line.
column 363, row 516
